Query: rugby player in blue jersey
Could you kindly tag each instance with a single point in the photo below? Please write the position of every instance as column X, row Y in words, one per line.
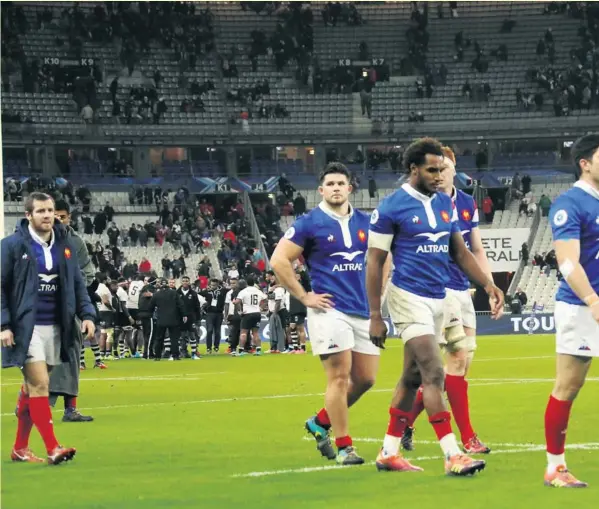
column 419, row 227
column 459, row 341
column 333, row 239
column 574, row 219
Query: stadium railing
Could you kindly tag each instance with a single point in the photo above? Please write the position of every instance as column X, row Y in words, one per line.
column 255, row 231
column 531, row 237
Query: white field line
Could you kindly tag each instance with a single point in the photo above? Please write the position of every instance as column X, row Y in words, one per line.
column 499, row 381
column 149, row 378
column 305, row 470
column 436, row 442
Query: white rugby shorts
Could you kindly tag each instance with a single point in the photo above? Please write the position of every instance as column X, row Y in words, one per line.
column 331, row 331
column 459, row 313
column 576, row 332
column 414, row 315
column 45, row 345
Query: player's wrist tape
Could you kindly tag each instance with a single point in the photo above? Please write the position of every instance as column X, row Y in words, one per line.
column 567, row 268
column 591, row 300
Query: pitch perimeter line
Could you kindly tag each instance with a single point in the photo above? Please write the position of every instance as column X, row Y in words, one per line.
column 307, row 470
column 436, row 442
column 19, row 381
column 508, row 381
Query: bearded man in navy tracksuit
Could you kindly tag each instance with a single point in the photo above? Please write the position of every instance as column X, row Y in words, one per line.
column 42, row 293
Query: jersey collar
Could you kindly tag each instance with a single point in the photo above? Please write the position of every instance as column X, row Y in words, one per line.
column 587, row 188
column 327, row 210
column 417, row 194
column 454, row 194
column 39, row 240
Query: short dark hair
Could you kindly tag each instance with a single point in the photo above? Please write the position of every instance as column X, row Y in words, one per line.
column 184, row 277
column 33, row 197
column 416, row 152
column 215, row 280
column 334, row 167
column 62, row 205
column 584, row 148
column 250, row 281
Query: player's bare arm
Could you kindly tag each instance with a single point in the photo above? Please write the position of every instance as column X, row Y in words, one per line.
column 568, row 259
column 281, row 262
column 377, row 260
column 468, row 263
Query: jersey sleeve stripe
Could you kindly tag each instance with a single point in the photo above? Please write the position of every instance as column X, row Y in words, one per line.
column 380, row 241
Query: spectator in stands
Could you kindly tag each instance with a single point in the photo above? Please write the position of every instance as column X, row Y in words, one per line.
column 526, row 182
column 87, row 114
column 113, row 234
column 551, row 260
column 524, row 253
column 366, row 99
column 467, row 90
column 545, row 204
column 100, row 222
column 299, row 205
column 145, row 266
column 532, row 209
column 488, row 209
column 166, row 267
column 143, row 236
column 523, row 207
column 108, row 212
column 539, row 260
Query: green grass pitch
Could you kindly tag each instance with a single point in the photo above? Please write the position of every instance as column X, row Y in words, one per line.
column 187, row 434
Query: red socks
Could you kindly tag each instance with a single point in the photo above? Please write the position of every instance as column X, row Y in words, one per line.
column 342, row 442
column 457, row 394
column 322, row 418
column 39, row 409
column 24, row 424
column 417, row 408
column 398, row 422
column 441, row 423
column 557, row 416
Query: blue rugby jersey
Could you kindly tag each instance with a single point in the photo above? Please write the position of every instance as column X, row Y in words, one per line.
column 335, row 253
column 48, row 292
column 574, row 215
column 467, row 213
column 420, row 227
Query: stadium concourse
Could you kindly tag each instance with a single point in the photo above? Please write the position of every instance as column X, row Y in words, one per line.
column 187, row 137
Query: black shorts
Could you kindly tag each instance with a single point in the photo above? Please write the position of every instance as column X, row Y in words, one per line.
column 106, row 320
column 134, row 313
column 251, row 321
column 298, row 319
column 284, row 316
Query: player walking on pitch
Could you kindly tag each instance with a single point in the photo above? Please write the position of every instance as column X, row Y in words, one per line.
column 333, row 239
column 574, row 219
column 459, row 341
column 42, row 292
column 419, row 227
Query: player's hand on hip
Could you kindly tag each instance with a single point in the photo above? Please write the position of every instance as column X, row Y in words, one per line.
column 496, row 301
column 322, row 301
column 378, row 331
column 89, row 328
column 8, row 338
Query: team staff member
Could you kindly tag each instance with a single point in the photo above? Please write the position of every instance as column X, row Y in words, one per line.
column 297, row 318
column 170, row 313
column 64, row 379
column 215, row 298
column 145, row 316
column 42, row 293
column 232, row 315
column 193, row 311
